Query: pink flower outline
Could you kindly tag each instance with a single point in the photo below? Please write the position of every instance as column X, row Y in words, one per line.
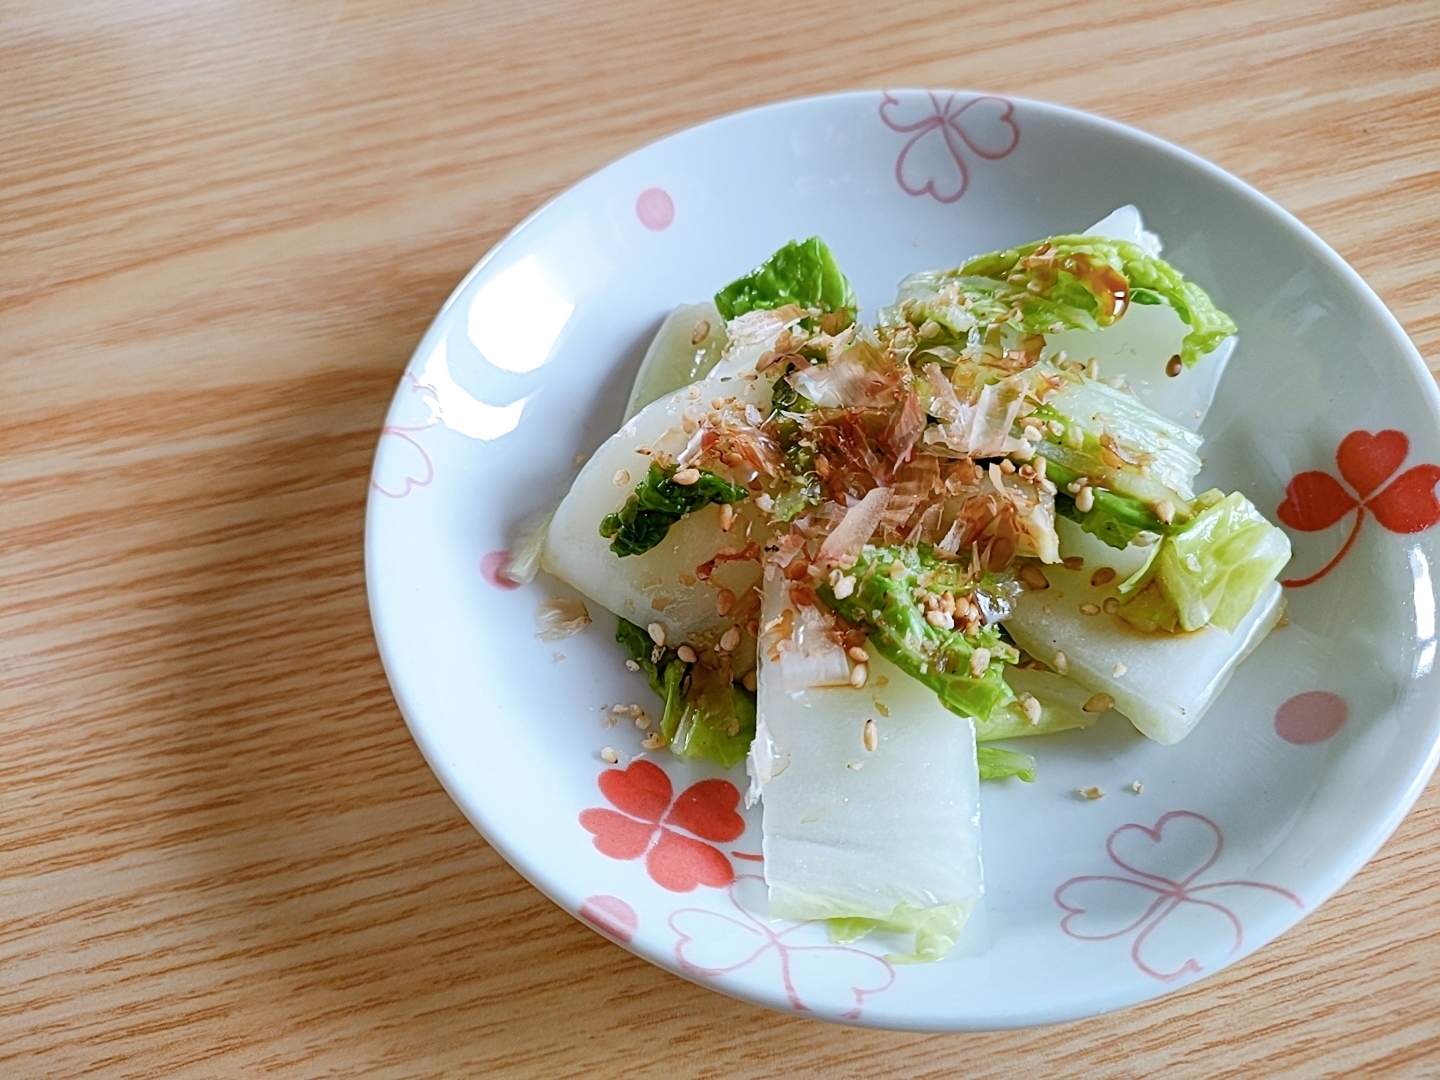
column 789, row 956
column 1169, row 895
column 947, row 119
column 406, row 433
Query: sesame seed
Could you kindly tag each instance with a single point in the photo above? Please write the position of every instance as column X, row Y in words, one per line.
column 609, row 756
column 1165, row 511
column 1090, row 793
column 724, row 601
column 859, row 674
column 1103, row 576
column 727, row 517
column 1073, row 562
column 937, row 618
column 686, row 477
column 700, row 332
column 1118, row 670
column 854, row 766
column 642, row 721
column 859, row 655
column 1192, row 563
column 622, row 477
column 1033, row 578
column 632, row 665
column 1057, row 428
column 618, row 709
column 1031, row 433
column 1092, row 369
column 1085, row 499
column 652, row 741
column 1099, row 703
column 1089, row 609
column 1030, row 706
column 1110, row 605
column 844, row 586
column 979, row 662
column 1137, row 787
column 1060, row 663
column 1007, row 466
column 687, row 654
column 656, row 632
column 730, row 639
column 1173, row 366
column 871, row 736
column 749, row 681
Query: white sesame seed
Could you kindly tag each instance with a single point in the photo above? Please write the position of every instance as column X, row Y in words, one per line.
column 1110, row 605
column 859, row 655
column 749, row 681
column 1090, row 793
column 1165, row 511
column 1137, row 787
column 727, row 517
column 724, row 601
column 1118, row 670
column 687, row 654
column 1099, row 703
column 632, row 665
column 1089, row 609
column 642, row 721
column 1085, row 499
column 1102, row 577
column 844, row 587
column 1030, row 706
column 686, row 477
column 871, row 736
column 1060, row 663
column 859, row 674
column 622, row 477
column 653, row 741
column 700, row 332
column 730, row 640
column 979, row 662
column 609, row 756
column 656, row 632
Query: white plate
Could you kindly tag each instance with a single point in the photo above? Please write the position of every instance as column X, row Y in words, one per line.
column 1302, row 769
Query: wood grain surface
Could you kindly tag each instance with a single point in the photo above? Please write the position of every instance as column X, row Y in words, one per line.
column 223, row 228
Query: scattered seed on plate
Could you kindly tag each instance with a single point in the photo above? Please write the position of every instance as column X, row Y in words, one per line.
column 1073, row 562
column 1089, row 609
column 1090, row 793
column 1173, row 365
column 1033, row 578
column 700, row 332
column 622, row 477
column 871, row 736
column 632, row 665
column 1137, row 787
column 609, row 756
column 653, row 741
column 1103, row 576
column 1110, row 605
column 858, row 676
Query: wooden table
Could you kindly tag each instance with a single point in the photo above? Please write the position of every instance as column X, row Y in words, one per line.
column 223, row 228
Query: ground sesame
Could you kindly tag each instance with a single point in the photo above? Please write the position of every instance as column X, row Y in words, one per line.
column 609, row 756
column 1102, row 577
column 687, row 654
column 859, row 674
column 1089, row 609
column 871, row 736
column 1099, row 703
column 656, row 632
column 686, row 477
column 1090, row 793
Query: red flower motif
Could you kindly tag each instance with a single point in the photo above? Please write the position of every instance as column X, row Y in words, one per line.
column 931, row 162
column 1316, row 500
column 651, row 825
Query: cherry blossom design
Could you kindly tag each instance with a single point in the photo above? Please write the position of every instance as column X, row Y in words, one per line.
column 409, row 466
column 652, row 824
column 1316, row 500
column 825, row 976
column 1160, row 898
column 932, row 161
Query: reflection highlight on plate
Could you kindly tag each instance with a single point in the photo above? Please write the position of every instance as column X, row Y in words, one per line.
column 516, row 317
column 454, row 406
column 1424, row 611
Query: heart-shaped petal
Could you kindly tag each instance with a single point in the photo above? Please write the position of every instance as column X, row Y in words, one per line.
column 929, row 165
column 1102, row 906
column 1181, row 845
column 710, row 943
column 1170, row 947
column 401, row 464
column 616, row 835
column 913, row 111
column 1366, row 461
column 1314, row 501
column 1409, row 504
column 679, row 864
column 707, row 809
column 987, row 124
column 834, row 979
column 642, row 790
